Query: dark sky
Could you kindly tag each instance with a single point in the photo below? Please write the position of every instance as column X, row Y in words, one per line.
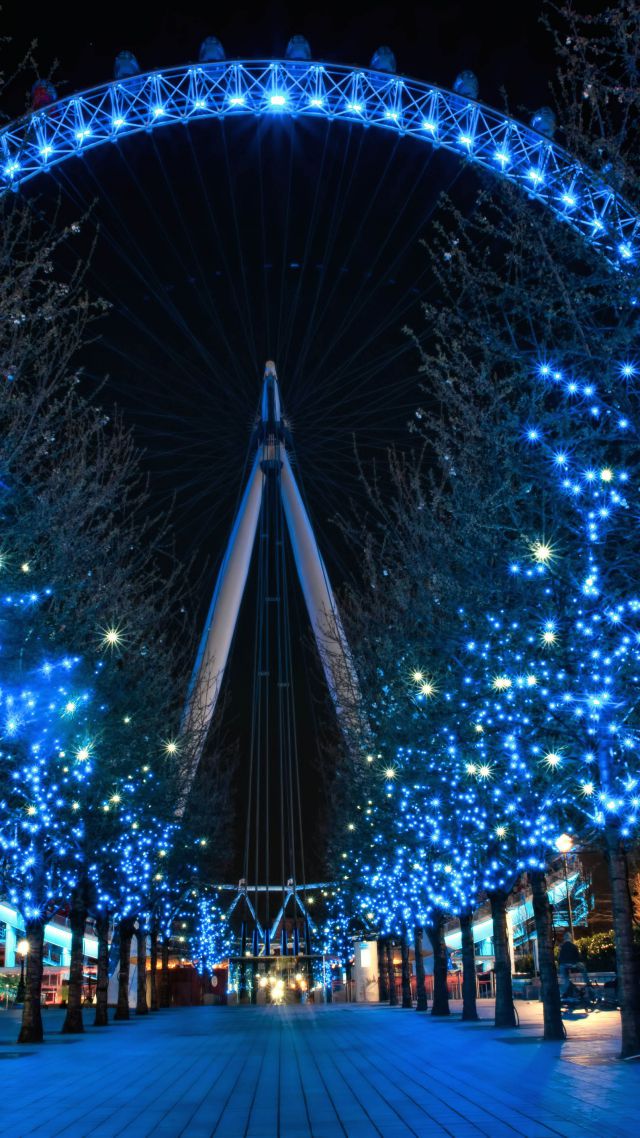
column 223, row 244
column 503, row 43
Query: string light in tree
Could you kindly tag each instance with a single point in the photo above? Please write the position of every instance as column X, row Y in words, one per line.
column 112, row 638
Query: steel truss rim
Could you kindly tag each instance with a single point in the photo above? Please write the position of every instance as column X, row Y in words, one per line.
column 473, row 131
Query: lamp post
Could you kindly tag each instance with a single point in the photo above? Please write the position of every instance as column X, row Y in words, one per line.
column 564, row 844
column 22, row 948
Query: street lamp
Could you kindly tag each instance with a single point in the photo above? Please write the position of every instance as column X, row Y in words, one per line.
column 22, row 949
column 564, row 844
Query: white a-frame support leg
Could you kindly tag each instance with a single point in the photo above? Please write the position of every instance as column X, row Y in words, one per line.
column 319, row 599
column 218, row 633
column 213, row 653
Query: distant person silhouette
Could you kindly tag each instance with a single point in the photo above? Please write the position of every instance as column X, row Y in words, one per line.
column 569, row 961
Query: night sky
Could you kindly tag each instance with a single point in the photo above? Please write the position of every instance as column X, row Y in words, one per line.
column 226, row 243
column 503, row 43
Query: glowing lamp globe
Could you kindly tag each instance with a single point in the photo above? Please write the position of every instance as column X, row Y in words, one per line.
column 564, row 843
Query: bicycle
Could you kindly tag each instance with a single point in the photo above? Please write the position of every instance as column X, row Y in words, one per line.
column 605, row 993
column 579, row 997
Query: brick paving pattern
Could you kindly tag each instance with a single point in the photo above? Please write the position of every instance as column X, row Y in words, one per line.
column 319, row 1072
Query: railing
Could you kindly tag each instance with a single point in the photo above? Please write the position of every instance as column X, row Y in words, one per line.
column 485, row 986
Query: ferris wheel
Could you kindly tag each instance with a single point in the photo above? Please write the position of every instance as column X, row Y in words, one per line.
column 60, row 129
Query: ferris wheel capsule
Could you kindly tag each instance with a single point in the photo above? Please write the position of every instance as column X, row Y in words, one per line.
column 211, row 51
column 544, row 121
column 43, row 94
column 467, row 85
column 298, row 49
column 126, row 65
column 383, row 59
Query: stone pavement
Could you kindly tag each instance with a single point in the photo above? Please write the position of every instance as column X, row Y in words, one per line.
column 318, row 1072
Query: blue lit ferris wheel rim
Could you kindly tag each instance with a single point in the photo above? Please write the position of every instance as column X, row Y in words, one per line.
column 474, row 132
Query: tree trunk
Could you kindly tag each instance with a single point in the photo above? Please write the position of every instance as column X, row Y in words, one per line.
column 505, row 1011
column 126, row 934
column 73, row 1024
column 102, row 981
column 31, row 1028
column 469, row 1009
column 165, row 990
column 155, row 1005
column 393, row 994
column 551, row 1010
column 142, row 1007
column 383, row 973
column 421, row 987
column 407, row 998
column 627, row 964
column 440, row 1006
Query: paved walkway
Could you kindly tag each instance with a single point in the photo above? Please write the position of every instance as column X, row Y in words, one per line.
column 305, row 1072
